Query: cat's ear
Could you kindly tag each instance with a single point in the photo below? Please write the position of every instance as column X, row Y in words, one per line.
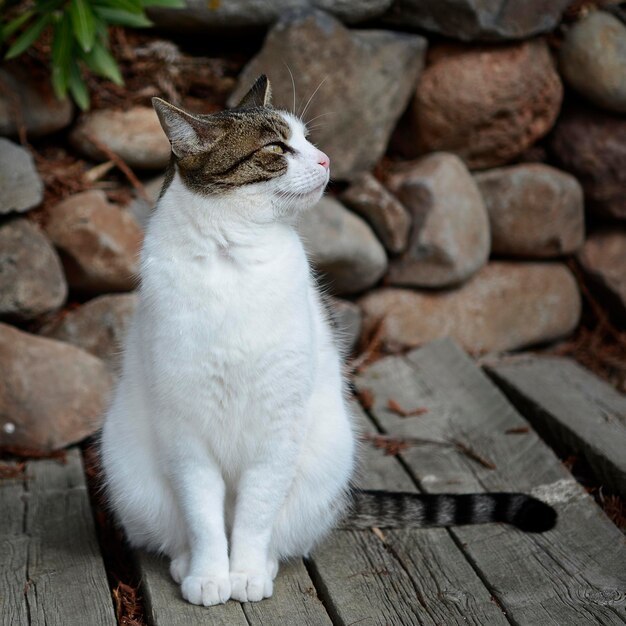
column 187, row 134
column 259, row 95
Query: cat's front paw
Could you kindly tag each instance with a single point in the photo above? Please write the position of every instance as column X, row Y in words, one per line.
column 179, row 567
column 206, row 590
column 250, row 586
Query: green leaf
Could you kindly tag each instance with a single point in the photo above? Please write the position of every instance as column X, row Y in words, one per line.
column 83, row 23
column 169, row 4
column 77, row 86
column 132, row 6
column 61, row 55
column 124, row 18
column 102, row 63
column 14, row 25
column 28, row 37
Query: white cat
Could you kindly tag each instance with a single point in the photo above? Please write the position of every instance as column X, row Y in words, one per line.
column 228, row 444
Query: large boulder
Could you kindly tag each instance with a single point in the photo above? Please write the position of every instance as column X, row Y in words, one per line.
column 593, row 60
column 504, row 307
column 134, row 135
column 485, row 104
column 31, row 275
column 384, row 213
column 591, row 144
column 603, row 259
column 484, row 20
column 352, row 85
column 21, row 187
column 241, row 15
column 449, row 240
column 98, row 326
column 534, row 210
column 28, row 102
column 98, row 241
column 51, row 394
column 342, row 247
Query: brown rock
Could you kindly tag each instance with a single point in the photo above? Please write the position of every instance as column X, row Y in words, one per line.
column 31, row 275
column 98, row 327
column 449, row 240
column 534, row 210
column 591, row 145
column 504, row 307
column 51, row 394
column 603, row 259
column 21, row 188
column 385, row 214
column 352, row 112
column 342, row 247
column 485, row 104
column 593, row 59
column 135, row 135
column 99, row 243
column 29, row 100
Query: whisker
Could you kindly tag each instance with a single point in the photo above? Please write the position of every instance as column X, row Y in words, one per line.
column 293, row 84
column 318, row 116
column 301, row 116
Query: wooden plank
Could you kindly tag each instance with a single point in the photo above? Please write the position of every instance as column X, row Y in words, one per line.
column 294, row 601
column 572, row 575
column 52, row 570
column 67, row 581
column 13, row 552
column 412, row 577
column 571, row 408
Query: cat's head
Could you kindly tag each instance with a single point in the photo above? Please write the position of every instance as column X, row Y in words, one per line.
column 251, row 151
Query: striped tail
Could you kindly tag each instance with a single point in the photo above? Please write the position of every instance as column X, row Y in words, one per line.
column 385, row 509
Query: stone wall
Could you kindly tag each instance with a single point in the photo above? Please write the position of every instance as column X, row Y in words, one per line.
column 478, row 149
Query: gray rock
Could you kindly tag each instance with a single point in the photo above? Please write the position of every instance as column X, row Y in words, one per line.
column 591, row 144
column 385, row 214
column 98, row 326
column 593, row 60
column 352, row 112
column 504, row 307
column 30, row 101
column 347, row 320
column 483, row 20
column 201, row 16
column 487, row 104
column 51, row 394
column 134, row 135
column 535, row 210
column 21, row 187
column 99, row 243
column 449, row 240
column 342, row 247
column 603, row 259
column 31, row 275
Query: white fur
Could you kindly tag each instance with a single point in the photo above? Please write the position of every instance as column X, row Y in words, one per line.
column 228, row 444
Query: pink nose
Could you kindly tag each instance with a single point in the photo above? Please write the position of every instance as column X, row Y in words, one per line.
column 323, row 159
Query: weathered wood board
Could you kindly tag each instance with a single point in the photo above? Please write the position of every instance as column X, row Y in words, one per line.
column 294, row 601
column 52, row 570
column 572, row 575
column 571, row 408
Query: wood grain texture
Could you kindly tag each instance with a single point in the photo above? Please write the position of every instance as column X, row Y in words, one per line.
column 412, row 577
column 57, row 576
column 572, row 575
column 571, row 408
column 13, row 552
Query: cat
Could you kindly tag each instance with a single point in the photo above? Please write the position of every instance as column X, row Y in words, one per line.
column 229, row 444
